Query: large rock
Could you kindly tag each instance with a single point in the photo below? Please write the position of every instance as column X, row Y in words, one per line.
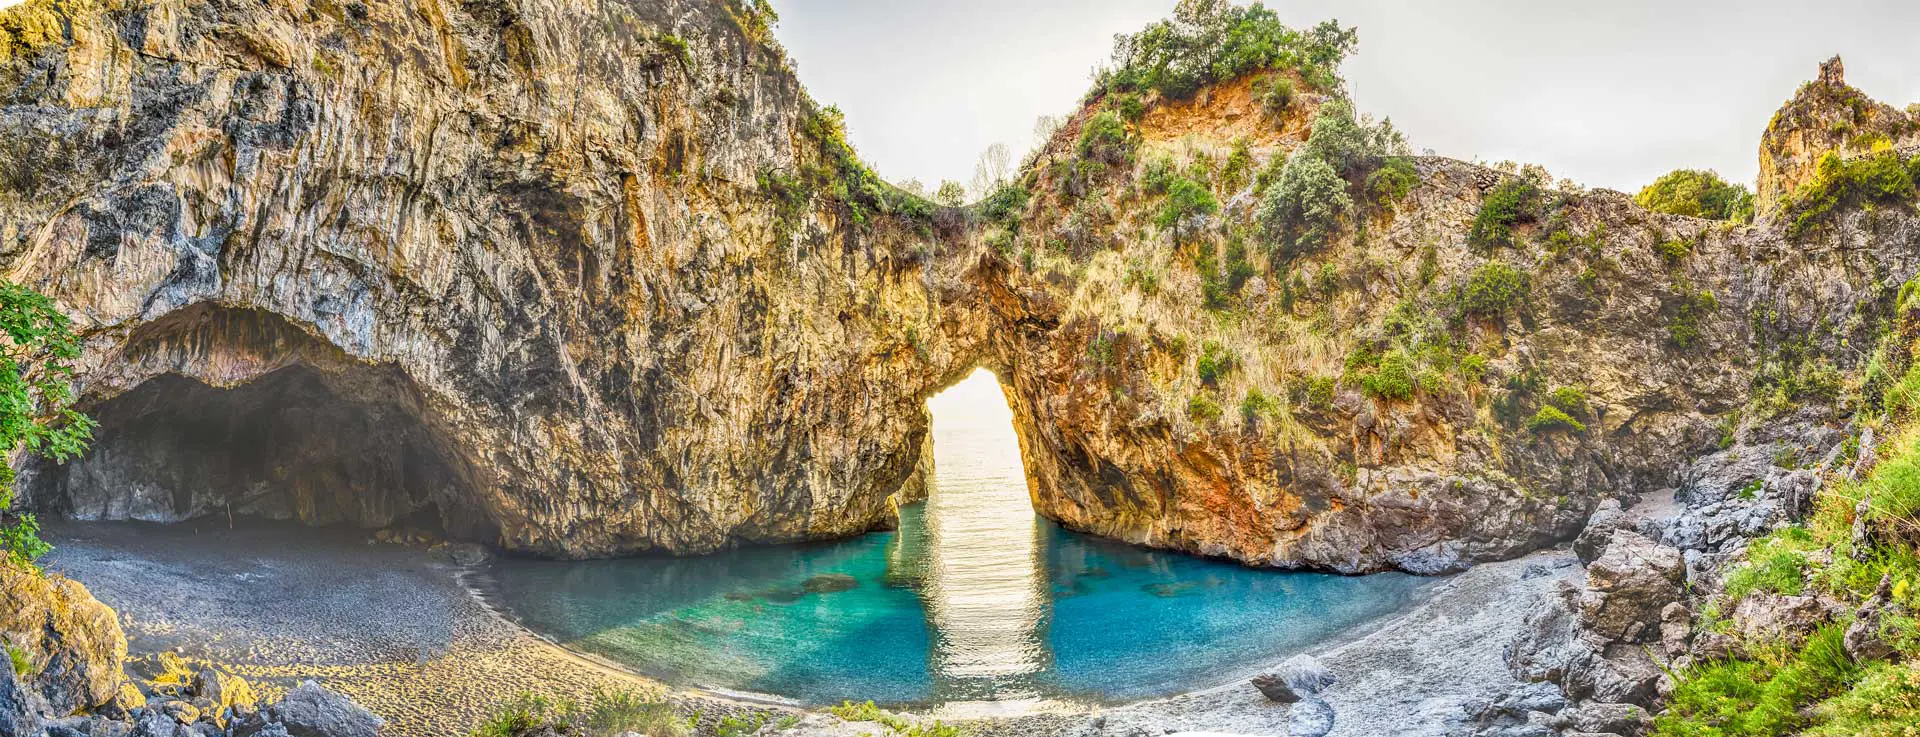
column 1629, row 585
column 1767, row 617
column 1311, row 717
column 312, row 711
column 72, row 642
column 1302, row 676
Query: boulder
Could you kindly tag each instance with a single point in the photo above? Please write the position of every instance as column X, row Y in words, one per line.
column 225, row 693
column 1600, row 528
column 1625, row 720
column 1765, row 617
column 15, row 716
column 1628, row 586
column 1299, row 678
column 72, row 641
column 312, row 711
column 1541, row 697
column 1311, row 717
column 1676, row 629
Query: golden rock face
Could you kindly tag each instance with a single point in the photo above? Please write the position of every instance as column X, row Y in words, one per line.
column 72, row 642
column 533, row 267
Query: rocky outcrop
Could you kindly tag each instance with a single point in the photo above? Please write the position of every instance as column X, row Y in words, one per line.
column 592, row 278
column 1826, row 116
column 518, row 268
column 69, row 643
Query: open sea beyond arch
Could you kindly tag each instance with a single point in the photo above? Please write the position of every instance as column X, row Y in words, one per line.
column 974, row 599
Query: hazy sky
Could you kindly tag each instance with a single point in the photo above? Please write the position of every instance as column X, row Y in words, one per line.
column 1609, row 93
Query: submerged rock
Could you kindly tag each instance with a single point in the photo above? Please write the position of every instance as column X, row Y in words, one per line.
column 830, row 583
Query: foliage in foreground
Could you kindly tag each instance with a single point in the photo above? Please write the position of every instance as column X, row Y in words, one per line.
column 896, row 725
column 607, row 714
column 36, row 404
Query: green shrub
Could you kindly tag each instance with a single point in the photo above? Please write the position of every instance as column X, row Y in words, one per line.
column 1186, row 200
column 1129, row 105
column 1689, row 308
column 1493, row 289
column 608, row 713
column 1838, row 183
column 1512, row 202
column 1303, row 210
column 1006, row 206
column 522, row 715
column 853, row 712
column 1318, row 391
column 36, row 405
column 1551, row 418
column 676, row 46
column 1392, row 378
column 1676, row 250
column 1214, row 363
column 1739, row 698
column 22, row 666
column 1208, row 41
column 951, row 193
column 1571, row 400
column 1103, row 138
column 1697, row 193
column 1392, row 181
column 1276, row 94
column 1257, row 404
column 1202, row 407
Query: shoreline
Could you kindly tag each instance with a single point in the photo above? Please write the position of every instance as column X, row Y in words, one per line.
column 468, row 653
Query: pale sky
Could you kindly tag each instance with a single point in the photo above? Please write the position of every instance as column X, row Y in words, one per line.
column 1611, row 93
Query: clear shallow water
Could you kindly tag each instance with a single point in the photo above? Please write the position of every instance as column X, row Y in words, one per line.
column 974, row 599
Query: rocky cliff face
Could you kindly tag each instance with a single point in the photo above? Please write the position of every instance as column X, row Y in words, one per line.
column 513, row 265
column 596, row 277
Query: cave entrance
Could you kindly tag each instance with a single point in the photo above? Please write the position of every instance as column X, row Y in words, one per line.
column 986, row 586
column 338, row 443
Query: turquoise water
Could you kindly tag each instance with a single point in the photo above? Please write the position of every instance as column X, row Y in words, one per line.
column 974, row 599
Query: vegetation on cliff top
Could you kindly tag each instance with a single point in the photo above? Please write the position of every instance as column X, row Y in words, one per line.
column 1209, row 41
column 36, row 398
column 1697, row 193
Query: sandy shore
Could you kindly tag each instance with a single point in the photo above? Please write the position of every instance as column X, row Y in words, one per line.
column 393, row 628
column 389, row 626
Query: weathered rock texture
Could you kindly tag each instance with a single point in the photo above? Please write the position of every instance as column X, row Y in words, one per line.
column 1826, row 116
column 535, row 269
column 71, row 643
column 502, row 263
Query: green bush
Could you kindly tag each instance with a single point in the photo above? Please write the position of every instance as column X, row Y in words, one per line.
column 1676, row 250
column 1103, row 138
column 1303, row 210
column 1276, row 94
column 1697, row 193
column 1129, row 105
column 1257, row 404
column 1493, row 289
column 1884, row 702
column 1214, row 363
column 1392, row 378
column 1512, row 202
column 22, row 666
column 1894, row 489
column 1186, row 200
column 36, row 405
column 1006, row 206
column 951, row 193
column 1571, row 400
column 1318, row 391
column 1392, row 181
column 1689, row 308
column 853, row 712
column 1551, row 418
column 1202, row 407
column 1209, row 41
column 1882, row 179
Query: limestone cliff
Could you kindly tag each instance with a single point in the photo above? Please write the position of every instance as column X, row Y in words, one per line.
column 596, row 277
column 521, row 266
